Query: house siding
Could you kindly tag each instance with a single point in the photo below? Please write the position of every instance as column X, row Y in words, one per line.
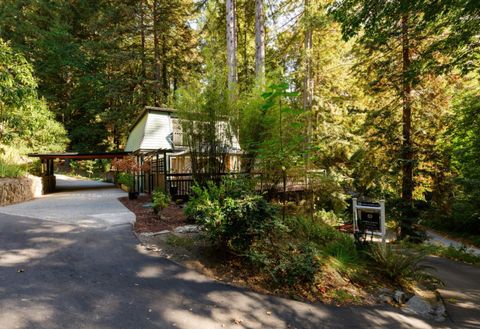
column 157, row 129
column 136, row 136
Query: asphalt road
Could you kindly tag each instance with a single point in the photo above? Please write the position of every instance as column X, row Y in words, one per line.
column 461, row 293
column 70, row 260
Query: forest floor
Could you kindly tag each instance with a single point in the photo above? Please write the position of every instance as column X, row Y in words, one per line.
column 159, row 233
column 147, row 221
column 194, row 251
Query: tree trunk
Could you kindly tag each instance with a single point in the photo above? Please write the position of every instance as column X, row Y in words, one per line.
column 165, row 84
column 259, row 42
column 156, row 53
column 143, row 56
column 307, row 80
column 407, row 149
column 231, row 44
column 308, row 85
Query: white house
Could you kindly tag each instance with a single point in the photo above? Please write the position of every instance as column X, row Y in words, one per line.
column 160, row 129
column 157, row 136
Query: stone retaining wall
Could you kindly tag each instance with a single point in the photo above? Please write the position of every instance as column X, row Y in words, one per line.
column 15, row 190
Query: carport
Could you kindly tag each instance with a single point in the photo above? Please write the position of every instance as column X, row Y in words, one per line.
column 48, row 167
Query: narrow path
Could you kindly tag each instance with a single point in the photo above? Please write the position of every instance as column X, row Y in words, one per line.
column 437, row 239
column 70, row 260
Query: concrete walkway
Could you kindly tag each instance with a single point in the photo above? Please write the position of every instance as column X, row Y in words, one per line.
column 80, row 202
column 70, row 260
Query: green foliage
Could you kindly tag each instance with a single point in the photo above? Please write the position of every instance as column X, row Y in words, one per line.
column 10, row 164
column 160, row 200
column 336, row 247
column 243, row 222
column 465, row 212
column 25, row 121
column 295, row 264
column 398, row 264
column 95, row 72
column 459, row 254
column 280, row 146
column 126, row 179
column 231, row 215
column 315, row 230
column 207, row 129
column 8, row 169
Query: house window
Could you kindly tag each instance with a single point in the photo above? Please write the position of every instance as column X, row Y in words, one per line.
column 178, row 138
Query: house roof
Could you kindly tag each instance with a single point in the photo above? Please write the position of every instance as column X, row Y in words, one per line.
column 154, row 130
column 79, row 156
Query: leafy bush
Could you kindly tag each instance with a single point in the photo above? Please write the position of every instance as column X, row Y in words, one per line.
column 398, row 264
column 296, row 264
column 329, row 217
column 231, row 215
column 126, row 179
column 9, row 163
column 8, row 169
column 314, row 230
column 160, row 200
column 291, row 251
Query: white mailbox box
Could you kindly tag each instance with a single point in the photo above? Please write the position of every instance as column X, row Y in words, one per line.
column 369, row 218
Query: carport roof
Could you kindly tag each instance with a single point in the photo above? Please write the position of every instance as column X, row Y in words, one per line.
column 80, row 156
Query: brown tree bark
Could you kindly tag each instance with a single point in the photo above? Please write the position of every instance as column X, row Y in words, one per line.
column 156, row 53
column 259, row 42
column 165, row 86
column 407, row 147
column 307, row 79
column 143, row 51
column 231, row 43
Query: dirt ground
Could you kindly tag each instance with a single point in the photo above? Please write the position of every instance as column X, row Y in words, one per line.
column 148, row 221
column 195, row 251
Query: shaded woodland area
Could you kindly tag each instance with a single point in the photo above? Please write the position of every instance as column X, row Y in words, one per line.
column 381, row 96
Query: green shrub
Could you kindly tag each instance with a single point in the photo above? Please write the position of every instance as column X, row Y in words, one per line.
column 329, row 217
column 8, row 169
column 398, row 264
column 126, row 179
column 160, row 200
column 10, row 162
column 336, row 246
column 231, row 215
column 296, row 264
column 202, row 200
column 313, row 229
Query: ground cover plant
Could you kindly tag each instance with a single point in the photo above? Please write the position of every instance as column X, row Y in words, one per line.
column 297, row 255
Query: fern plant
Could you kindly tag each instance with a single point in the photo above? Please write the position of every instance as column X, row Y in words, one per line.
column 398, row 264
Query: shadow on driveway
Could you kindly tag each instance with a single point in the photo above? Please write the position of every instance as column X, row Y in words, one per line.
column 56, row 275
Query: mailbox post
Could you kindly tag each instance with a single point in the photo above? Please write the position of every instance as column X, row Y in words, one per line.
column 369, row 218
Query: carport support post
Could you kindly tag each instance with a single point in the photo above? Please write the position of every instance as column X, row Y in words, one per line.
column 42, row 167
column 165, row 171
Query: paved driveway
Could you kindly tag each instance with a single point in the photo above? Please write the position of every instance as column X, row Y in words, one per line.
column 70, row 260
